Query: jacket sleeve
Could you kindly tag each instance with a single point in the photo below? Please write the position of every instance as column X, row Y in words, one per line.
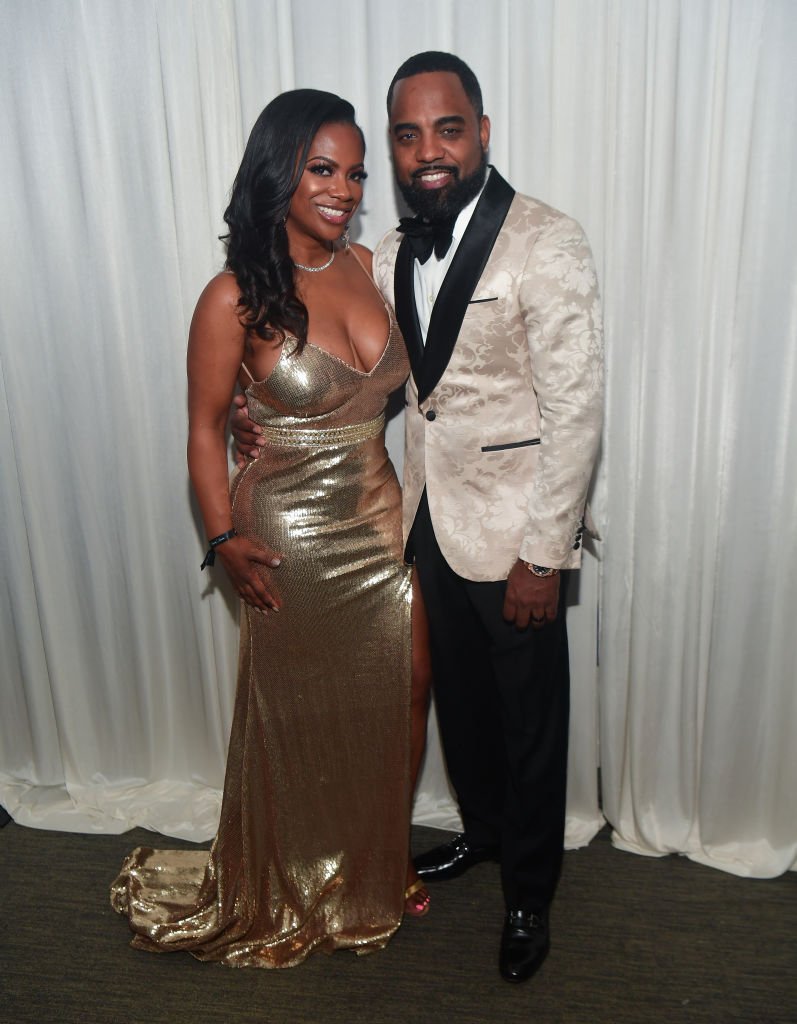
column 561, row 311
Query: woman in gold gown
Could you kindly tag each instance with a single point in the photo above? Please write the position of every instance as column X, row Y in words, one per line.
column 312, row 846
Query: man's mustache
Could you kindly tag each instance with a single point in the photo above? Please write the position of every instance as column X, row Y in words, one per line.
column 453, row 171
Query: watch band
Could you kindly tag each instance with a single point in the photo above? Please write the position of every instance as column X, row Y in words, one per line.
column 540, row 570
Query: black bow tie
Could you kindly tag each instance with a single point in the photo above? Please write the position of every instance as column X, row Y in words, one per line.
column 424, row 238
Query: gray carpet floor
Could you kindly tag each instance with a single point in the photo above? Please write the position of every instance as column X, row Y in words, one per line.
column 635, row 941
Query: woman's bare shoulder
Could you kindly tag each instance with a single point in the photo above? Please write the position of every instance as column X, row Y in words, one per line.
column 365, row 256
column 217, row 308
column 222, row 291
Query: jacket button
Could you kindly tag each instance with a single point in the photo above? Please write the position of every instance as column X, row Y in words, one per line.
column 431, row 415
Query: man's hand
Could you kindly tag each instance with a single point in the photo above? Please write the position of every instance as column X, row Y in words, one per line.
column 247, row 435
column 529, row 598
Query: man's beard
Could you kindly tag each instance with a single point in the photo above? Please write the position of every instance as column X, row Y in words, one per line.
column 445, row 203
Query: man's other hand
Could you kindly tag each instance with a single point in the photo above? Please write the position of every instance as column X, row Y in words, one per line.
column 247, row 435
column 530, row 600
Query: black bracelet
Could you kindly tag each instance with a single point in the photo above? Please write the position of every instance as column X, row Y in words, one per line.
column 210, row 556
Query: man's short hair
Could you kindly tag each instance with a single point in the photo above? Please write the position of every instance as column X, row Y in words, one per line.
column 436, row 60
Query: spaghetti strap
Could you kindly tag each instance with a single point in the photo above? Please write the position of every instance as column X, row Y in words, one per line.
column 385, row 303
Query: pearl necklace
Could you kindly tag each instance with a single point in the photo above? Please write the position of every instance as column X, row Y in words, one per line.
column 315, row 270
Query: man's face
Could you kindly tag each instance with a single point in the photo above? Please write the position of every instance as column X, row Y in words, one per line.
column 439, row 145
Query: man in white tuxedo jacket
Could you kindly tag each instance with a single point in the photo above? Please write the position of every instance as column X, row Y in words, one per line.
column 496, row 296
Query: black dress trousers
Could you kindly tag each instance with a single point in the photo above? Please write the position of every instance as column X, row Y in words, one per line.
column 502, row 696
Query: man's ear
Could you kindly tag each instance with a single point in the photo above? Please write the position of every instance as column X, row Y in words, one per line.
column 484, row 131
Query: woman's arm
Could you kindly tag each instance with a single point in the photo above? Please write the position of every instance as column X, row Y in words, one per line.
column 215, row 351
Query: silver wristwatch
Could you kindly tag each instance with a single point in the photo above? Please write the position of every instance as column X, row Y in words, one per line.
column 540, row 570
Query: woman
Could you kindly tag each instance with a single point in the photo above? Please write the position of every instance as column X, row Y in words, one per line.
column 312, row 847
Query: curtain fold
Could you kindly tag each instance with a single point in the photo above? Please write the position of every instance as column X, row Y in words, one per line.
column 697, row 668
column 667, row 129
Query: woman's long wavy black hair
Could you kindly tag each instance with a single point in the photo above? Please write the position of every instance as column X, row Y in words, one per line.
column 257, row 242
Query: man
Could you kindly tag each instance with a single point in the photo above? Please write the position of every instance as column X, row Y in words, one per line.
column 497, row 299
column 503, row 417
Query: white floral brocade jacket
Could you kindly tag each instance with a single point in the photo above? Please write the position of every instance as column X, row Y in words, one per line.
column 505, row 400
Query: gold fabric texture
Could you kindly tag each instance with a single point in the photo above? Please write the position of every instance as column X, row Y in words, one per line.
column 312, row 846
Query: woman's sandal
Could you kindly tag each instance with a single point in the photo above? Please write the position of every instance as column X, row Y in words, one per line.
column 416, row 899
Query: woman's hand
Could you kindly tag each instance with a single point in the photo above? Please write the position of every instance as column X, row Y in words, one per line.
column 246, row 563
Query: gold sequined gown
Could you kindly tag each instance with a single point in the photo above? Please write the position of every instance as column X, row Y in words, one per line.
column 312, row 846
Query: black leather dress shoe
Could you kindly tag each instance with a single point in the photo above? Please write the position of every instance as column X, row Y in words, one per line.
column 525, row 943
column 452, row 859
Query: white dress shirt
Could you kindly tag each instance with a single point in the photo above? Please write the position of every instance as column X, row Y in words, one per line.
column 429, row 275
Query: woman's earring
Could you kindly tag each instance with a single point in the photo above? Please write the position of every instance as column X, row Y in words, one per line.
column 345, row 238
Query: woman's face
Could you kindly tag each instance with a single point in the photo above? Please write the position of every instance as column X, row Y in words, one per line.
column 331, row 185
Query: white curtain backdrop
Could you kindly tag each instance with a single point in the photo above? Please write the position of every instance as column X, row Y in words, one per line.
column 668, row 129
column 698, row 644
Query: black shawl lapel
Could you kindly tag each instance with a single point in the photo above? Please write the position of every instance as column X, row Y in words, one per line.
column 406, row 313
column 463, row 275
